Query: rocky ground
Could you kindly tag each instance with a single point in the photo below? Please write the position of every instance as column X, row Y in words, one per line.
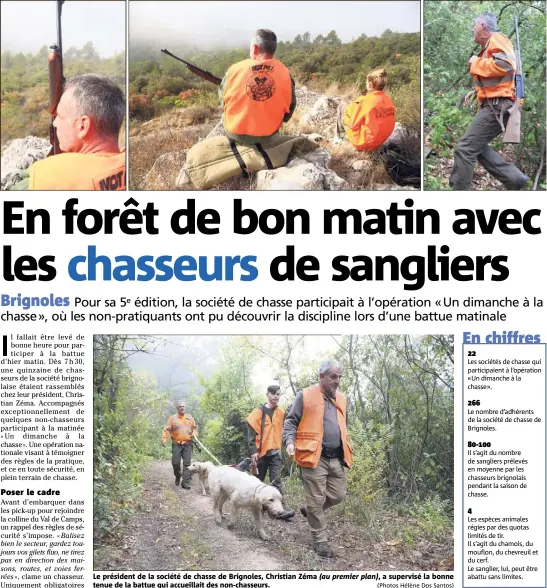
column 174, row 529
column 19, row 155
column 158, row 151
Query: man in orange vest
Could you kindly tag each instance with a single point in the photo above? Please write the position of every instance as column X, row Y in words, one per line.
column 315, row 433
column 493, row 73
column 257, row 94
column 265, row 431
column 89, row 117
column 181, row 428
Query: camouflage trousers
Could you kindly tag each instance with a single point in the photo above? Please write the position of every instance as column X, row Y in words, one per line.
column 474, row 148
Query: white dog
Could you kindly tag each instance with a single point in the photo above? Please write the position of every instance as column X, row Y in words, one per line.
column 242, row 490
column 203, row 469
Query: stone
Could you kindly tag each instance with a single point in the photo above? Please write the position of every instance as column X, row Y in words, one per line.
column 20, row 154
column 165, row 171
column 182, row 179
column 303, row 176
column 319, row 157
column 300, row 174
column 322, row 110
column 332, row 181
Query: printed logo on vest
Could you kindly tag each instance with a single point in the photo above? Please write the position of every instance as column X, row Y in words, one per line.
column 114, row 181
column 380, row 112
column 260, row 86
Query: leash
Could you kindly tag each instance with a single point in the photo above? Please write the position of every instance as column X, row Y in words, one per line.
column 205, row 448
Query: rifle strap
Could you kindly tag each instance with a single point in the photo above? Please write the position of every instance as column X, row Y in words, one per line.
column 262, row 428
column 265, row 156
column 244, row 172
column 500, row 118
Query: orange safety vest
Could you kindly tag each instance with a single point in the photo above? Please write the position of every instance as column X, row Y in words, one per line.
column 494, row 71
column 180, row 428
column 370, row 120
column 309, row 435
column 273, row 429
column 79, row 171
column 257, row 95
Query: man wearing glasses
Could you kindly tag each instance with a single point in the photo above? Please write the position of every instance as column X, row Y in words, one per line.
column 315, row 433
column 265, row 431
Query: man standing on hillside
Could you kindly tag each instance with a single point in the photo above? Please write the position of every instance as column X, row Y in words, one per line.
column 89, row 117
column 315, row 433
column 181, row 428
column 493, row 72
column 257, row 94
column 265, row 431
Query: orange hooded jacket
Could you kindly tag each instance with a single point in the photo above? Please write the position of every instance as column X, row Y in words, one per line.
column 257, row 95
column 370, row 120
column 494, row 71
column 79, row 171
column 273, row 429
column 309, row 435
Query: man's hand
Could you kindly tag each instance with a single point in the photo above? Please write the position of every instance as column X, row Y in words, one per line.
column 163, row 442
column 472, row 59
column 254, row 460
column 290, row 449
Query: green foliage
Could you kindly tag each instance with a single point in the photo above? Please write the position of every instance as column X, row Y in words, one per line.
column 126, row 415
column 318, row 63
column 433, row 517
column 25, row 86
column 448, row 44
column 367, row 479
column 227, row 400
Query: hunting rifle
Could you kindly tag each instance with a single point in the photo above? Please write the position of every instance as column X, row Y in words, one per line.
column 206, row 75
column 512, row 130
column 56, row 81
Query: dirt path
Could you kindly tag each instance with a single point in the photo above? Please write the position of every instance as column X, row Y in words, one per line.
column 175, row 530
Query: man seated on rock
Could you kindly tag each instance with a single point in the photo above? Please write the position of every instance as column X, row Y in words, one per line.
column 89, row 117
column 368, row 121
column 257, row 94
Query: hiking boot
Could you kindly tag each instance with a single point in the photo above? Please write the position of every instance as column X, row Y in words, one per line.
column 323, row 549
column 286, row 515
column 177, row 480
column 185, row 486
column 304, row 511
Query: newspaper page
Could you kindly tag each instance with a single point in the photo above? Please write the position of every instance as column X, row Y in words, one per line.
column 213, row 388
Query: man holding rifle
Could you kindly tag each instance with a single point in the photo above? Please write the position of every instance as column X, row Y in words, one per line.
column 494, row 73
column 257, row 94
column 87, row 115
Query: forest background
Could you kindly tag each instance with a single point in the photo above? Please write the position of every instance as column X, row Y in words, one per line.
column 400, row 392
column 25, row 86
column 448, row 44
column 158, row 83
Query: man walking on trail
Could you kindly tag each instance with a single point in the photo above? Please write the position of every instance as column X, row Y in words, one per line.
column 265, row 431
column 315, row 432
column 88, row 120
column 257, row 94
column 181, row 428
column 493, row 72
